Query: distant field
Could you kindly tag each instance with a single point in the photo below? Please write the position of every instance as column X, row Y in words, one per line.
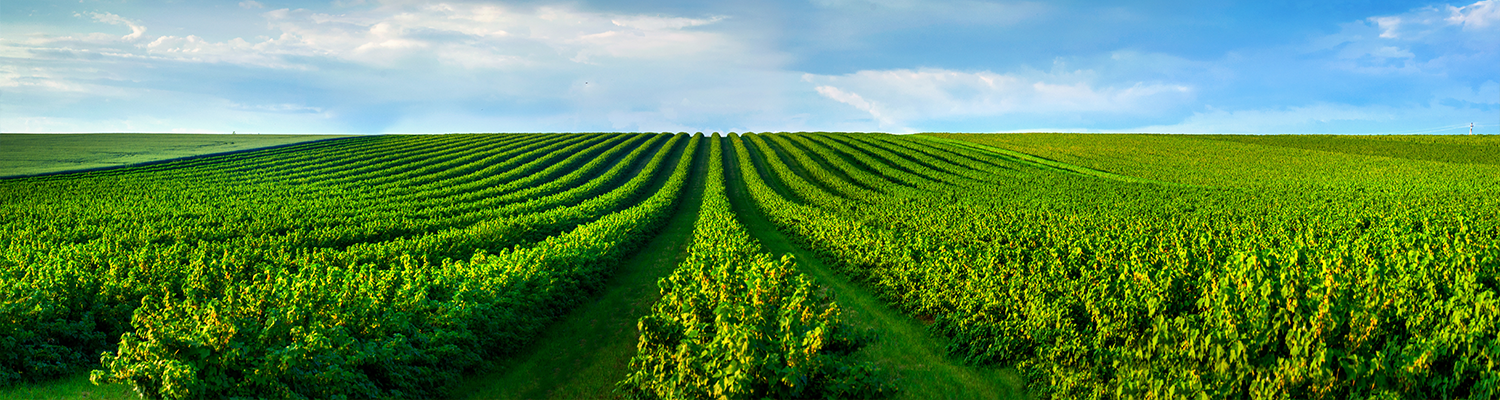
column 29, row 154
column 1262, row 160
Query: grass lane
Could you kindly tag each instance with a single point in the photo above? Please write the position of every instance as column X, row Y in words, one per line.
column 916, row 359
column 584, row 354
column 76, row 386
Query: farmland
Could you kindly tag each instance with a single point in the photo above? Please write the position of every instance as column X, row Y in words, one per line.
column 32, row 154
column 767, row 265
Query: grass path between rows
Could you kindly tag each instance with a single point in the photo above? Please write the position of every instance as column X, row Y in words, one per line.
column 585, row 353
column 916, row 359
column 76, row 386
column 1024, row 158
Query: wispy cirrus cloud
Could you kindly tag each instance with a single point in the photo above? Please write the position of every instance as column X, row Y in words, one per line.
column 1427, row 70
column 453, row 33
column 400, row 58
column 895, row 65
column 899, row 98
column 136, row 30
column 1481, row 15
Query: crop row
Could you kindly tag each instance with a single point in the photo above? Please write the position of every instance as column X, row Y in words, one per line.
column 1097, row 288
column 385, row 267
column 243, row 276
column 734, row 322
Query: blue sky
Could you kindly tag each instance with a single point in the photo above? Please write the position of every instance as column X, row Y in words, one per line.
column 361, row 66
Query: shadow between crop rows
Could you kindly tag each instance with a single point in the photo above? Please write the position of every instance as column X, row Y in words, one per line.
column 582, row 355
column 904, row 348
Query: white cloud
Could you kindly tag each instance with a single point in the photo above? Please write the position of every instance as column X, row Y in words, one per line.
column 386, row 66
column 1428, row 70
column 136, row 30
column 1475, row 16
column 459, row 34
column 653, row 23
column 905, row 97
column 858, row 102
column 1428, row 41
column 415, row 66
column 1388, row 26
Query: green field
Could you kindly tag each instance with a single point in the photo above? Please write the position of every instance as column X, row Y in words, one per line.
column 808, row 265
column 31, row 154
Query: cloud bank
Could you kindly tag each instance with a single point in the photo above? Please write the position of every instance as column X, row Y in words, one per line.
column 897, row 66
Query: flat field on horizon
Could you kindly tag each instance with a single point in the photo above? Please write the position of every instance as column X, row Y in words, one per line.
column 770, row 265
column 30, row 154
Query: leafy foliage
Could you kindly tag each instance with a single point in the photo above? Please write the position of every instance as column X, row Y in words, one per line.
column 1099, row 266
column 1099, row 288
column 734, row 323
column 328, row 291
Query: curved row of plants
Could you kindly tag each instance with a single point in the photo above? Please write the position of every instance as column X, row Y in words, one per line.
column 385, row 267
column 222, row 280
column 734, row 322
column 1099, row 288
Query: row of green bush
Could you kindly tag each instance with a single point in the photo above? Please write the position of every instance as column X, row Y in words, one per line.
column 1100, row 288
column 735, row 323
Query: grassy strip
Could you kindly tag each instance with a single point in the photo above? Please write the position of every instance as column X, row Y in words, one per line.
column 903, row 346
column 1442, row 148
column 1043, row 162
column 583, row 355
column 76, row 386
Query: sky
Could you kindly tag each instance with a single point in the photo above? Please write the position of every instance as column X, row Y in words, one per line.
column 369, row 66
